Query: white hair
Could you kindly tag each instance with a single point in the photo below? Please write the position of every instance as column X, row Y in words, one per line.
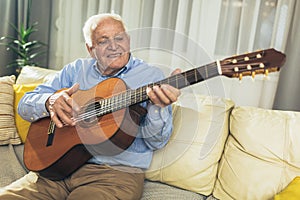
column 92, row 23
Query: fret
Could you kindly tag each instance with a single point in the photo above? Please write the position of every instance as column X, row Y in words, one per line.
column 119, row 98
column 141, row 94
column 113, row 103
column 103, row 105
column 110, row 102
column 129, row 98
column 135, row 97
column 124, row 101
column 185, row 78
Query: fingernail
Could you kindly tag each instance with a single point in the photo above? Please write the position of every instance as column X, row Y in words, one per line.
column 148, row 90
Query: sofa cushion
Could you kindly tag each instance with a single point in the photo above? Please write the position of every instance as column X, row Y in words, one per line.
column 261, row 156
column 156, row 190
column 190, row 159
column 21, row 124
column 8, row 131
column 34, row 75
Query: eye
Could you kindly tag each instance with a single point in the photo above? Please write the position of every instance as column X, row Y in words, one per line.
column 119, row 38
column 103, row 42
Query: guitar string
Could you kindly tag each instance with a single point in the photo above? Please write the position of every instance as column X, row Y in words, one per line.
column 138, row 94
column 122, row 102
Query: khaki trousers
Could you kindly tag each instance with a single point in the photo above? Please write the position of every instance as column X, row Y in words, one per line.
column 89, row 182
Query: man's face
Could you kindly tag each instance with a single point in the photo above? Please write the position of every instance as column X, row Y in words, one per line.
column 111, row 46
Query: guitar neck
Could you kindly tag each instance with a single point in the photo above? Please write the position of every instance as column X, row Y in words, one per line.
column 190, row 77
column 139, row 95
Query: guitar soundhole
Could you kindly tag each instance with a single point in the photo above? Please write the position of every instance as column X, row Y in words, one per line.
column 91, row 114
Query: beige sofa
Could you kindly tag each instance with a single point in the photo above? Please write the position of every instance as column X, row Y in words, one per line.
column 217, row 150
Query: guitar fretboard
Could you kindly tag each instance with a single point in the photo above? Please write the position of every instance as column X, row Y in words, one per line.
column 139, row 95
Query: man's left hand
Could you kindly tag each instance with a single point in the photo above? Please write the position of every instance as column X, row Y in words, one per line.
column 165, row 94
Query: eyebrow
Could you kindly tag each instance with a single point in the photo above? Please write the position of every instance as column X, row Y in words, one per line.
column 107, row 37
column 104, row 36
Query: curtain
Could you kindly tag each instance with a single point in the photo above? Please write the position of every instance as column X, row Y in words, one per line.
column 14, row 11
column 7, row 14
column 288, row 93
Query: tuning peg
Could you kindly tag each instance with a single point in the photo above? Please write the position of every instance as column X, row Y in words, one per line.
column 234, row 61
column 261, row 65
column 258, row 55
column 249, row 67
column 246, row 58
column 236, row 69
column 253, row 74
column 240, row 76
column 266, row 72
column 266, row 75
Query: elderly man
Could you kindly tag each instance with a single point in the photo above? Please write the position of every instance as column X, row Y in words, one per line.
column 117, row 176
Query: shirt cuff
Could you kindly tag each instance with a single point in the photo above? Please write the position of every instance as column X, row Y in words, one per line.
column 34, row 113
column 157, row 113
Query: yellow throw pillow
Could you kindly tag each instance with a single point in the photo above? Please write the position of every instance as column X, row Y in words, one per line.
column 291, row 192
column 21, row 124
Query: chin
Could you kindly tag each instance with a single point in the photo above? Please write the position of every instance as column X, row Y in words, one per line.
column 118, row 63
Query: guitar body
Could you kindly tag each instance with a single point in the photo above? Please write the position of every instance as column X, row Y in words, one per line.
column 56, row 154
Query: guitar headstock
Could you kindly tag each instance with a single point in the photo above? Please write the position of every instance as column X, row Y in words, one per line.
column 250, row 64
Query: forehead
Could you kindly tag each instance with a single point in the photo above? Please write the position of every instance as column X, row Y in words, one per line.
column 108, row 27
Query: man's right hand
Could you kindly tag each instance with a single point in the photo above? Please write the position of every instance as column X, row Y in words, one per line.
column 62, row 108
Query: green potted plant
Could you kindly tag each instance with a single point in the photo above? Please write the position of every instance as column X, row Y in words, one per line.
column 26, row 50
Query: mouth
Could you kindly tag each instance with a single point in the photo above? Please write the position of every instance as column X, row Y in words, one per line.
column 114, row 55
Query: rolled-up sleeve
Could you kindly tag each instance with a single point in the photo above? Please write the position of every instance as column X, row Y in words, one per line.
column 32, row 106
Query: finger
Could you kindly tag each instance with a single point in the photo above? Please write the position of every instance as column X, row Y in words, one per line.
column 176, row 71
column 170, row 92
column 152, row 96
column 68, row 104
column 73, row 89
column 61, row 111
column 158, row 97
column 69, row 100
column 54, row 117
column 64, row 118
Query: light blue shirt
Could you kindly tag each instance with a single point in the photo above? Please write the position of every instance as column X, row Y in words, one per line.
column 155, row 129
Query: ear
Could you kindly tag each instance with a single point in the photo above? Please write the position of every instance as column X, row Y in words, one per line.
column 90, row 50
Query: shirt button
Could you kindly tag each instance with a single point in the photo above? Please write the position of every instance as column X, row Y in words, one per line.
column 31, row 118
column 44, row 114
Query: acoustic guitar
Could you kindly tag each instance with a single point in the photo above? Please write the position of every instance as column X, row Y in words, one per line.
column 110, row 115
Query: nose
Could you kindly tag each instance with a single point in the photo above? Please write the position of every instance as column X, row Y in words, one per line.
column 113, row 45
